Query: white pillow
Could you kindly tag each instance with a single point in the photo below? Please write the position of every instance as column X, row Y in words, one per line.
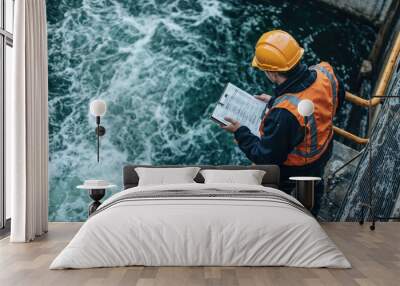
column 166, row 176
column 248, row 177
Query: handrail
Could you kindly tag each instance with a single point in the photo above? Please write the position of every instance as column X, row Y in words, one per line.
column 379, row 92
column 387, row 72
column 361, row 101
column 350, row 136
column 383, row 81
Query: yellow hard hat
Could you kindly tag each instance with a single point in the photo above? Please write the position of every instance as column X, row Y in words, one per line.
column 277, row 51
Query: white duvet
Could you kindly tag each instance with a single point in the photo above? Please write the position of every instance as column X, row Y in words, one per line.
column 200, row 231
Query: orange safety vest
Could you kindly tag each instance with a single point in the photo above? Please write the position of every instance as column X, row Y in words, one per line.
column 323, row 93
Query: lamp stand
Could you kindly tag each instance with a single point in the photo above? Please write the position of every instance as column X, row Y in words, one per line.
column 100, row 131
column 305, row 137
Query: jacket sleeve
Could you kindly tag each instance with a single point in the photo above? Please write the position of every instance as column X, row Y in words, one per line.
column 282, row 133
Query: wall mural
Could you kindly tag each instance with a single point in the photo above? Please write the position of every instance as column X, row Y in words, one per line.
column 160, row 66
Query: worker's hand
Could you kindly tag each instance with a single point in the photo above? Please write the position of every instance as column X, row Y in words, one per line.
column 264, row 97
column 231, row 127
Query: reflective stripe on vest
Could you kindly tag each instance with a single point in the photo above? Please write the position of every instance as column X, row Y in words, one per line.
column 331, row 79
column 313, row 127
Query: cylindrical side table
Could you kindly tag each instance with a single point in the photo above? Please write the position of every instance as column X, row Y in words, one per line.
column 305, row 190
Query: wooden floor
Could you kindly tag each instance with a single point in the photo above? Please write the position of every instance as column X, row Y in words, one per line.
column 375, row 257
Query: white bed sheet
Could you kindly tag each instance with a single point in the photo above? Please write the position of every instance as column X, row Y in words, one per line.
column 200, row 231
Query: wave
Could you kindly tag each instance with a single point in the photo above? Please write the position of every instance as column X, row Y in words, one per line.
column 160, row 66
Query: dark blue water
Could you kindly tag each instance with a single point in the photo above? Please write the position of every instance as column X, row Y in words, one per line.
column 161, row 65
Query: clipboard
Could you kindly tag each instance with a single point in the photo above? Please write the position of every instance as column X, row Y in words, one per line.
column 239, row 105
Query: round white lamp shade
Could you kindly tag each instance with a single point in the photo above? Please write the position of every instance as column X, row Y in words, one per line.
column 305, row 107
column 98, row 107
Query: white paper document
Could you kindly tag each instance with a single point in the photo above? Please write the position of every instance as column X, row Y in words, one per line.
column 241, row 106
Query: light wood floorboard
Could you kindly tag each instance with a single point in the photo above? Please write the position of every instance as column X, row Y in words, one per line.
column 375, row 257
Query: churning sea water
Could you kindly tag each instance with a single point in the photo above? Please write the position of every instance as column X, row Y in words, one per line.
column 161, row 66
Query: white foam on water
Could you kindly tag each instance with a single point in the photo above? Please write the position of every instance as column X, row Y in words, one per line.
column 145, row 89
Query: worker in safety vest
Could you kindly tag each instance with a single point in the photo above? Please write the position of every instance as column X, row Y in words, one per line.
column 283, row 139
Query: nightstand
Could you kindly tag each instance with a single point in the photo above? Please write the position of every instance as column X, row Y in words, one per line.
column 96, row 190
column 304, row 192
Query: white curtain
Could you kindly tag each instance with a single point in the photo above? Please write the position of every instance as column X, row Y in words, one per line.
column 27, row 124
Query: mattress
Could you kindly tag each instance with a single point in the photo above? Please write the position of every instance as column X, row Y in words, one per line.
column 201, row 225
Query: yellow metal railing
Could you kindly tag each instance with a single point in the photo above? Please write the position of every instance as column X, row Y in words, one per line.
column 350, row 136
column 379, row 92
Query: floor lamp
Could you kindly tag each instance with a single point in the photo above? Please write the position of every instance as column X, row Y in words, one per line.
column 305, row 185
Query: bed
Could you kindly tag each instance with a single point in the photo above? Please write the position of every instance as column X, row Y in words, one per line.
column 197, row 224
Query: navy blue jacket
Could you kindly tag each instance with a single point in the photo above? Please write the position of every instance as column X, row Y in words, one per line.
column 282, row 131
